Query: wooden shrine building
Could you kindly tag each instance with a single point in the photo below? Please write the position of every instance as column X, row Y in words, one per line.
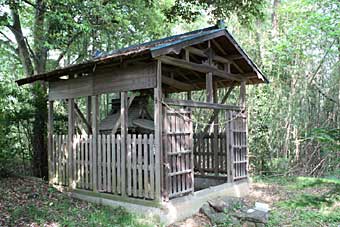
column 158, row 157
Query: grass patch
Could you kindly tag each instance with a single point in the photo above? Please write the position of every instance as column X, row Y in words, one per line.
column 307, row 201
column 30, row 202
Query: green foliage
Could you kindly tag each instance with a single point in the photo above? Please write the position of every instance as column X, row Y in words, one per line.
column 190, row 10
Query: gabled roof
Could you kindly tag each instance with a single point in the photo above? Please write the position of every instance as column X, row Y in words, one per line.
column 152, row 49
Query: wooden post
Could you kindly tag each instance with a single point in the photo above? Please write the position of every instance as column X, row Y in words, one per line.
column 209, row 87
column 51, row 160
column 209, row 76
column 123, row 132
column 243, row 105
column 215, row 145
column 88, row 108
column 229, row 148
column 95, row 119
column 243, row 94
column 158, row 131
column 70, row 141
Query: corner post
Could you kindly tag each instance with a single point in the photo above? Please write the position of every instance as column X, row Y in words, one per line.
column 244, row 121
column 95, row 119
column 158, row 130
column 123, row 132
column 216, row 131
column 50, row 129
column 70, row 142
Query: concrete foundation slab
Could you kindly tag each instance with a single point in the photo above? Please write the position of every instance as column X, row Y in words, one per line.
column 176, row 209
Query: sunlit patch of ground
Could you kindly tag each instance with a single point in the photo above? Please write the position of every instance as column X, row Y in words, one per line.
column 294, row 202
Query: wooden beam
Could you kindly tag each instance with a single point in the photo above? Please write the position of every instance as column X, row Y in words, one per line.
column 203, row 68
column 83, row 119
column 220, row 59
column 218, row 46
column 175, row 83
column 70, row 160
column 95, row 131
column 234, row 57
column 202, row 53
column 158, row 130
column 204, row 105
column 51, row 160
column 216, row 111
column 176, row 48
column 123, row 131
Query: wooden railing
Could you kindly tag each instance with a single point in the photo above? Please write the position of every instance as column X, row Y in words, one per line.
column 231, row 150
column 104, row 164
column 204, row 154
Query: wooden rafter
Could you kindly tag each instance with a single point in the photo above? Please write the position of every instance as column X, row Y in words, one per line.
column 175, row 83
column 203, row 68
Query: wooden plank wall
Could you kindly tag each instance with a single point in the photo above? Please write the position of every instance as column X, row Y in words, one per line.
column 205, row 163
column 106, row 80
column 232, row 150
column 140, row 164
column 179, row 151
column 238, row 140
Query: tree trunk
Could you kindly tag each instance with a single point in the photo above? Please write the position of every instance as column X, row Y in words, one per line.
column 39, row 55
column 275, row 19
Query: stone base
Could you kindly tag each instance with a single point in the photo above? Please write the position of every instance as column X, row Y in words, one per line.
column 176, row 209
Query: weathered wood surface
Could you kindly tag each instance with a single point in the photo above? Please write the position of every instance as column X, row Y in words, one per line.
column 190, row 103
column 140, row 167
column 179, row 151
column 109, row 80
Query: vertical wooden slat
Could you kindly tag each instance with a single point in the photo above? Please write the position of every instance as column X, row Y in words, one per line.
column 86, row 142
column 166, row 155
column 158, row 130
column 51, row 160
column 134, row 165
column 119, row 161
column 128, row 163
column 113, row 164
column 124, row 131
column 232, row 142
column 108, row 163
column 70, row 142
column 152, row 166
column 146, row 166
column 100, row 163
column 95, row 111
column 90, row 162
column 192, row 154
column 82, row 162
column 59, row 159
column 64, row 151
column 140, row 166
column 104, row 151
